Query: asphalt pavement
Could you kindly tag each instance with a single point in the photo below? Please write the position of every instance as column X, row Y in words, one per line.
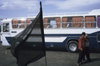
column 53, row 58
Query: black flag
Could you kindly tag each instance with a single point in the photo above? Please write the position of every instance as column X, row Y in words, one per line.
column 29, row 46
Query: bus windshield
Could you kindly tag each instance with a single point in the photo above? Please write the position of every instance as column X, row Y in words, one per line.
column 5, row 27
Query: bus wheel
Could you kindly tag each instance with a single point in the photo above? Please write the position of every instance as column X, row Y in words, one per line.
column 72, row 46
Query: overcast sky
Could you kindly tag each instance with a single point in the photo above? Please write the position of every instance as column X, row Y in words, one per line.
column 21, row 8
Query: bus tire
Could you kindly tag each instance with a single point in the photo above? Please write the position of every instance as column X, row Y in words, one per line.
column 72, row 46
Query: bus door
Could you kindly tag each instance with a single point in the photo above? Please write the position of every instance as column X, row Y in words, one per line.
column 5, row 30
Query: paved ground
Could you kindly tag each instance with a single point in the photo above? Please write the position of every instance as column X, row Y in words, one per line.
column 54, row 58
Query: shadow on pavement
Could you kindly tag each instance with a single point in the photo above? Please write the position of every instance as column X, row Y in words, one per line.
column 92, row 50
column 92, row 60
column 95, row 50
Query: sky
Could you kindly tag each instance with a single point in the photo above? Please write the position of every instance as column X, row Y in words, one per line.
column 21, row 8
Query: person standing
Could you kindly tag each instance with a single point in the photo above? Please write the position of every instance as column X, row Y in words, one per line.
column 86, row 50
column 81, row 47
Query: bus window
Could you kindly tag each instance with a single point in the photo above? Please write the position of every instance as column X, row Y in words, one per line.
column 52, row 24
column 90, row 22
column 77, row 21
column 28, row 22
column 67, row 22
column 5, row 27
column 64, row 22
column 18, row 23
column 45, row 22
column 99, row 21
column 15, row 23
column 22, row 24
column 67, row 25
column 57, row 22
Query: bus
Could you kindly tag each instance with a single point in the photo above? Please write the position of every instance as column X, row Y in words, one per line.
column 61, row 31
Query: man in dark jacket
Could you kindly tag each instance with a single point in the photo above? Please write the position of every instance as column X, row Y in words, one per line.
column 81, row 47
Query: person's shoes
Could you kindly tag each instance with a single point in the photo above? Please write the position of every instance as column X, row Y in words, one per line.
column 89, row 60
column 83, row 60
column 78, row 64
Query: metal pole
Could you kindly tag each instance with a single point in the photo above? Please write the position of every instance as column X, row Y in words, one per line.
column 45, row 61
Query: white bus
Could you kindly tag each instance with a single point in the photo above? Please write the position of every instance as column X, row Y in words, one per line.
column 61, row 31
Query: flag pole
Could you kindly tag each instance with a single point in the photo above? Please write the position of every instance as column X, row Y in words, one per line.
column 45, row 61
column 42, row 29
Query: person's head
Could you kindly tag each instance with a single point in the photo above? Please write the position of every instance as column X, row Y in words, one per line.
column 83, row 34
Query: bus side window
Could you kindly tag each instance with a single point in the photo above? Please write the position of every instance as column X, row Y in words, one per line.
column 18, row 24
column 15, row 23
column 99, row 21
column 46, row 23
column 57, row 22
column 22, row 23
column 67, row 25
column 52, row 24
column 64, row 22
column 90, row 21
column 77, row 21
column 28, row 22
